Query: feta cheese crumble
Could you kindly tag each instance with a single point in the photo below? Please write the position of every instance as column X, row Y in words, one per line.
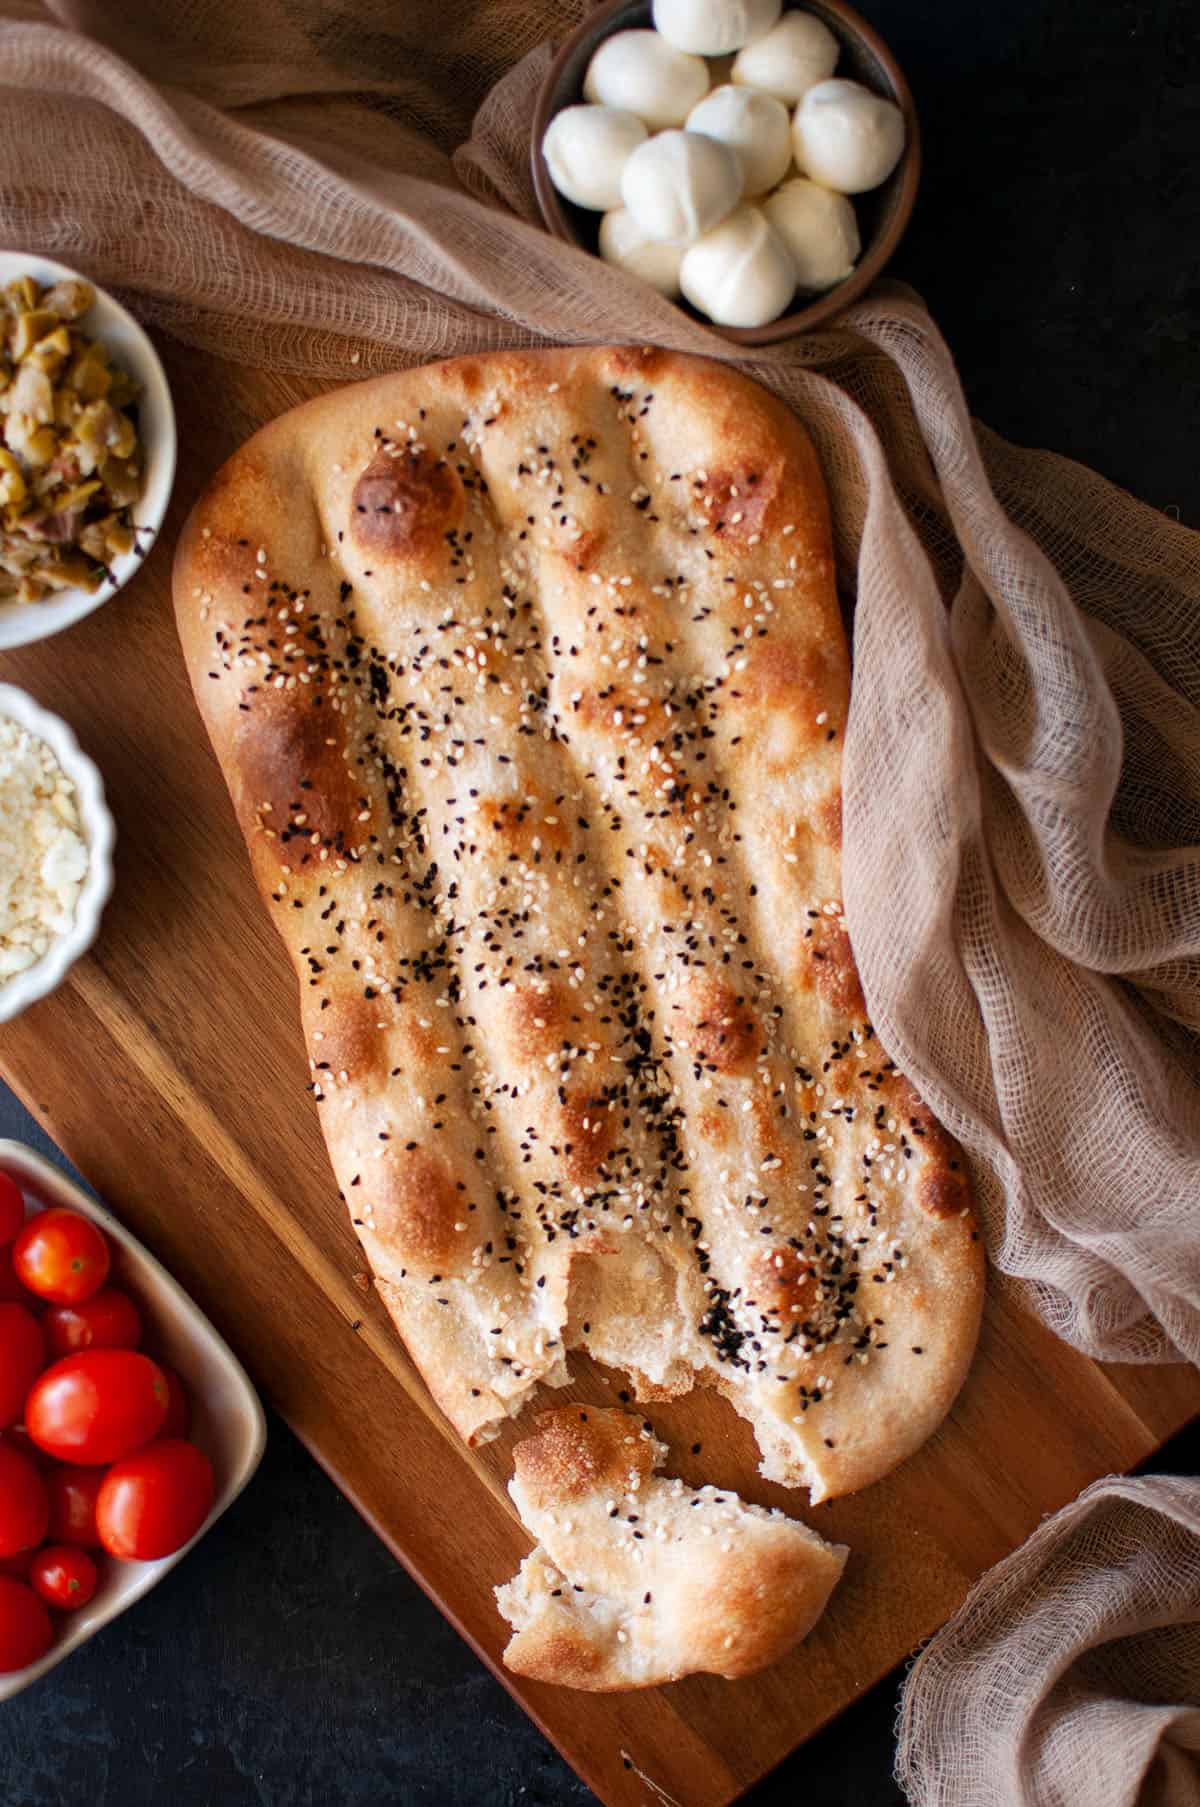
column 43, row 855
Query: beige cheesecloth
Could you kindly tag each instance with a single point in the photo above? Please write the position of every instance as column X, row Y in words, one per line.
column 310, row 186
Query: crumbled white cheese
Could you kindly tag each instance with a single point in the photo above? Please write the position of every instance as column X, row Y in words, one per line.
column 43, row 855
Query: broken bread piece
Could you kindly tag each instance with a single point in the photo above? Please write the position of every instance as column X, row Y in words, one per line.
column 638, row 1579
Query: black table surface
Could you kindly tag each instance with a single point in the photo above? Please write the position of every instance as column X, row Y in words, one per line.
column 289, row 1660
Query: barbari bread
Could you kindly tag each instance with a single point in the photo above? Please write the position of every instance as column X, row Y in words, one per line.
column 637, row 1579
column 528, row 680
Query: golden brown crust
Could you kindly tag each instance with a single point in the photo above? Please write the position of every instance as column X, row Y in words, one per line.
column 638, row 1580
column 528, row 680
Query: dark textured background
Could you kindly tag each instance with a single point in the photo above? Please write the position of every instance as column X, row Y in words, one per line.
column 289, row 1661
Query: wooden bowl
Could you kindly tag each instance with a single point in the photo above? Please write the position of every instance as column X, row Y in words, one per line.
column 883, row 213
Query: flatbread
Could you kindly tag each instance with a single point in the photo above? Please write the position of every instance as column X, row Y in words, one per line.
column 638, row 1580
column 527, row 677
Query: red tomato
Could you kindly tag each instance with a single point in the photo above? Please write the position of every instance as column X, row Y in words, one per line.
column 12, row 1208
column 108, row 1320
column 17, row 1567
column 61, row 1256
column 17, row 1437
column 24, row 1509
column 71, row 1496
column 178, row 1420
column 25, row 1628
column 22, row 1354
column 98, row 1406
column 153, row 1502
column 64, row 1576
column 11, row 1290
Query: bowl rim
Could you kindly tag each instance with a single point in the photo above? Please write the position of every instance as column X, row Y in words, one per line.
column 833, row 301
column 52, row 1187
column 25, row 988
column 21, row 624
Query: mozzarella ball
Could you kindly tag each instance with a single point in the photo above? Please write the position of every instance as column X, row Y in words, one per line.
column 819, row 228
column 680, row 184
column 586, row 148
column 741, row 273
column 790, row 59
column 755, row 126
column 847, row 138
column 640, row 72
column 713, row 27
column 622, row 242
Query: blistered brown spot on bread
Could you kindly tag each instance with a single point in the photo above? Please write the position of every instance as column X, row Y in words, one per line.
column 404, row 504
column 530, row 827
column 588, row 1131
column 421, row 1039
column 715, row 1027
column 581, row 549
column 738, row 498
column 784, row 1286
column 468, row 376
column 293, row 785
column 785, row 673
column 348, row 1038
column 413, row 1204
column 713, row 1126
column 827, row 964
column 637, row 360
column 537, row 1020
column 943, row 1186
column 574, row 1448
column 943, row 1192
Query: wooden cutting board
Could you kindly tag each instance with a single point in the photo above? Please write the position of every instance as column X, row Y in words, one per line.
column 170, row 1067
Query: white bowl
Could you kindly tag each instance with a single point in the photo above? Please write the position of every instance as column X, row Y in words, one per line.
column 227, row 1419
column 98, row 831
column 21, row 622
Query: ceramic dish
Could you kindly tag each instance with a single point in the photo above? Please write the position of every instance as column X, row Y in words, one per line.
column 883, row 214
column 227, row 1418
column 22, row 622
column 98, row 831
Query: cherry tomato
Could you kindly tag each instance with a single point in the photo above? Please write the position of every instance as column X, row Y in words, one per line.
column 64, row 1576
column 108, row 1320
column 12, row 1208
column 98, row 1406
column 178, row 1420
column 17, row 1437
column 25, row 1628
column 17, row 1567
column 24, row 1509
column 153, row 1502
column 11, row 1290
column 71, row 1496
column 61, row 1256
column 22, row 1354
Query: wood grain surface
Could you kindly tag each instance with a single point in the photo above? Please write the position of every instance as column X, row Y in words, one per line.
column 170, row 1068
